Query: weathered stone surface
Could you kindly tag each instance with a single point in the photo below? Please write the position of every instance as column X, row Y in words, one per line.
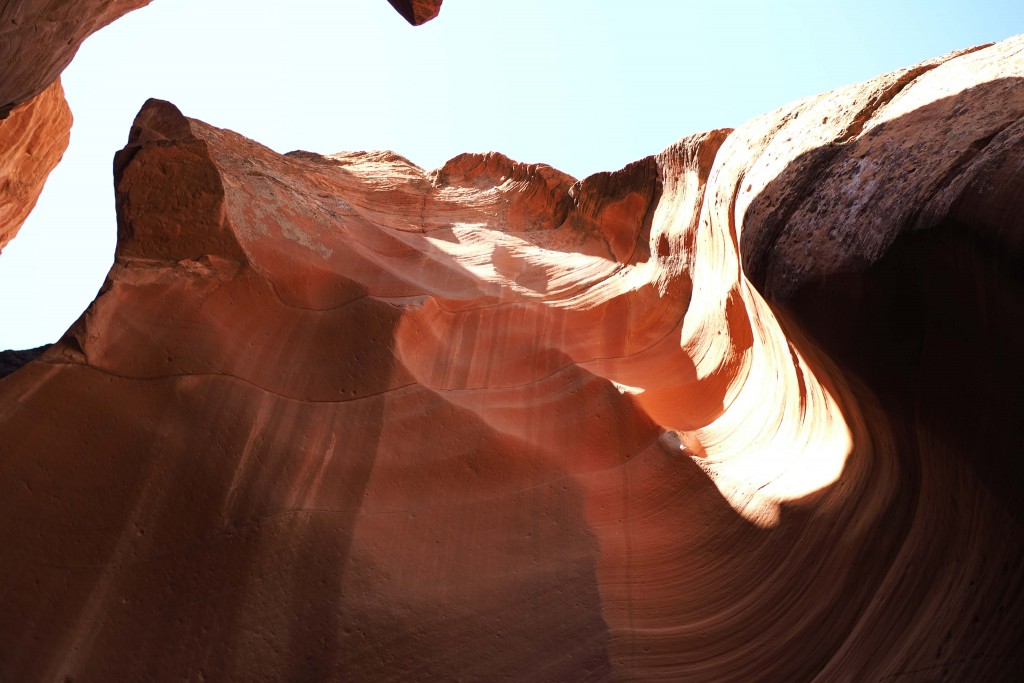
column 832, row 181
column 32, row 140
column 40, row 37
column 417, row 12
column 337, row 418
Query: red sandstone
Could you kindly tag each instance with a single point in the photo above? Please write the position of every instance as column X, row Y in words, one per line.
column 417, row 12
column 32, row 140
column 744, row 410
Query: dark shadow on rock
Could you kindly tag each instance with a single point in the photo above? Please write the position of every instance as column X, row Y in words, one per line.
column 933, row 326
column 417, row 12
column 13, row 360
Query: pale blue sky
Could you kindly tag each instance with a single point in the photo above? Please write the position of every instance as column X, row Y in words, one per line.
column 584, row 85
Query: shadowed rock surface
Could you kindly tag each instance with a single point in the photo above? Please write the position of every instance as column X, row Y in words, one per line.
column 40, row 37
column 745, row 410
column 417, row 12
column 11, row 360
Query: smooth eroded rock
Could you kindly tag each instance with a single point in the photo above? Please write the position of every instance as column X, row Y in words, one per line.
column 334, row 417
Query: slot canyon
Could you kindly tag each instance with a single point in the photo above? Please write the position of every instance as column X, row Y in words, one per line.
column 748, row 409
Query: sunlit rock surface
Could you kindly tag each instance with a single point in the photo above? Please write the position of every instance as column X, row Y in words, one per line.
column 746, row 410
column 38, row 39
column 32, row 140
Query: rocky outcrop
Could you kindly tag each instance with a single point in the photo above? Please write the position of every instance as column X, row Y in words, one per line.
column 40, row 37
column 417, row 12
column 743, row 410
column 32, row 140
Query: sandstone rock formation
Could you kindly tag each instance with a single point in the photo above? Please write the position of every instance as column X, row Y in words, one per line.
column 417, row 12
column 745, row 410
column 40, row 37
column 32, row 140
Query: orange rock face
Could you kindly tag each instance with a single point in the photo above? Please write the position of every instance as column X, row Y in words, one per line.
column 742, row 411
column 32, row 140
column 39, row 39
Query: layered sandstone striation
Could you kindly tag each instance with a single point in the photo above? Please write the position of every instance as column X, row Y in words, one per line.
column 743, row 410
column 32, row 140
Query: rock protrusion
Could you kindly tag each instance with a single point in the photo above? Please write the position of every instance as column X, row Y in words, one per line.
column 417, row 12
column 32, row 140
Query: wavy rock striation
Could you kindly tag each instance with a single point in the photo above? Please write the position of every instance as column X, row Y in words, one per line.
column 743, row 410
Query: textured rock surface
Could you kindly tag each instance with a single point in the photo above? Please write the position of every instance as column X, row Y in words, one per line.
column 32, row 140
column 336, row 418
column 417, row 12
column 40, row 37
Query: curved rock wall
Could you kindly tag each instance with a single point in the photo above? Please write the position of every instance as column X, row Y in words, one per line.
column 337, row 418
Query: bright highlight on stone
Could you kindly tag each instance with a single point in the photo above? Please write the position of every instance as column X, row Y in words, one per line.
column 744, row 410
